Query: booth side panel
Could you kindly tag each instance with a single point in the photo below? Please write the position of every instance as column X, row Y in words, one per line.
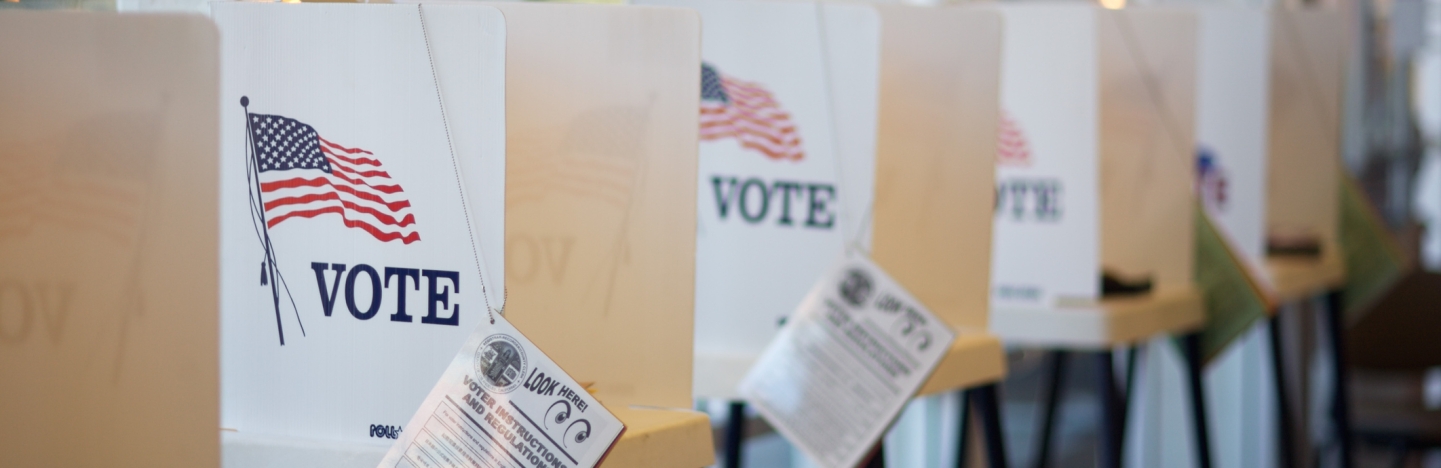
column 602, row 110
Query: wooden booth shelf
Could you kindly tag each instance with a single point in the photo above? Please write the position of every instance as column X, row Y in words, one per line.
column 661, row 437
column 974, row 359
column 1109, row 323
column 1295, row 279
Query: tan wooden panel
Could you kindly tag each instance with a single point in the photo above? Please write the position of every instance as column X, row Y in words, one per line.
column 601, row 118
column 1147, row 79
column 1307, row 57
column 1300, row 278
column 974, row 359
column 660, row 438
column 935, row 161
column 109, row 354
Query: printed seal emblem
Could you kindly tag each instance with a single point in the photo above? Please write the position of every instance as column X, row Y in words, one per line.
column 499, row 363
column 856, row 287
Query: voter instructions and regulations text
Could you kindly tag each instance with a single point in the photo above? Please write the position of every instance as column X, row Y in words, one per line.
column 857, row 348
column 504, row 404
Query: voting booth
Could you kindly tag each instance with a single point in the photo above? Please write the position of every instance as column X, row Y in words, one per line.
column 917, row 306
column 582, row 173
column 1093, row 237
column 940, row 77
column 1229, row 179
column 787, row 150
column 1094, row 175
column 1304, row 158
column 361, row 224
column 601, row 126
column 108, row 240
column 1303, row 198
column 1232, row 113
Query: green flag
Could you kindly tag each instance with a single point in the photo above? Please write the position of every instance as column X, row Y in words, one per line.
column 1233, row 299
column 1373, row 260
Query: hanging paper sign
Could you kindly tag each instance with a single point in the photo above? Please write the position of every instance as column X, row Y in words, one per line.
column 857, row 348
column 361, row 193
column 502, row 403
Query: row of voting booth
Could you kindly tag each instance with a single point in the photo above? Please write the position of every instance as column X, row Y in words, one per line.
column 259, row 238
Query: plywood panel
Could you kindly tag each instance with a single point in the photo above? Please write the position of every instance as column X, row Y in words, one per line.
column 940, row 78
column 600, row 197
column 109, row 347
column 1306, row 75
column 1147, row 86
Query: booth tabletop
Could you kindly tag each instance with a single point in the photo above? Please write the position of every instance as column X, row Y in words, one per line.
column 1110, row 322
column 653, row 437
column 975, row 358
column 661, row 437
column 1299, row 278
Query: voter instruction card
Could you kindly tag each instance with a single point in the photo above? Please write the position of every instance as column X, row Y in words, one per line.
column 502, row 403
column 843, row 366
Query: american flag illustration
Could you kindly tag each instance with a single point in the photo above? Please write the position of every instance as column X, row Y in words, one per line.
column 93, row 178
column 303, row 175
column 1013, row 150
column 1210, row 179
column 110, row 206
column 731, row 108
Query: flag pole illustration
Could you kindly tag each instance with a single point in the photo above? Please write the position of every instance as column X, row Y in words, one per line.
column 257, row 210
column 306, row 176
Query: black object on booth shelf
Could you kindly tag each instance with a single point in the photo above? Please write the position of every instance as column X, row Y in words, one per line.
column 1303, row 245
column 1113, row 284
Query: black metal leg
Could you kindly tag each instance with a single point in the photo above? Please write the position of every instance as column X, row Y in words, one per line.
column 735, row 434
column 1131, row 368
column 1198, row 400
column 988, row 407
column 1131, row 352
column 963, row 437
column 1112, row 427
column 1286, row 441
column 1399, row 452
column 878, row 456
column 1050, row 401
column 1341, row 403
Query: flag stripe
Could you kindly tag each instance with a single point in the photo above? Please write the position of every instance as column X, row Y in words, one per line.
column 1011, row 145
column 355, row 161
column 758, row 121
column 385, row 236
column 344, row 168
column 332, row 196
column 322, row 181
column 769, row 145
column 783, row 138
column 367, row 196
column 327, row 143
column 94, row 204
